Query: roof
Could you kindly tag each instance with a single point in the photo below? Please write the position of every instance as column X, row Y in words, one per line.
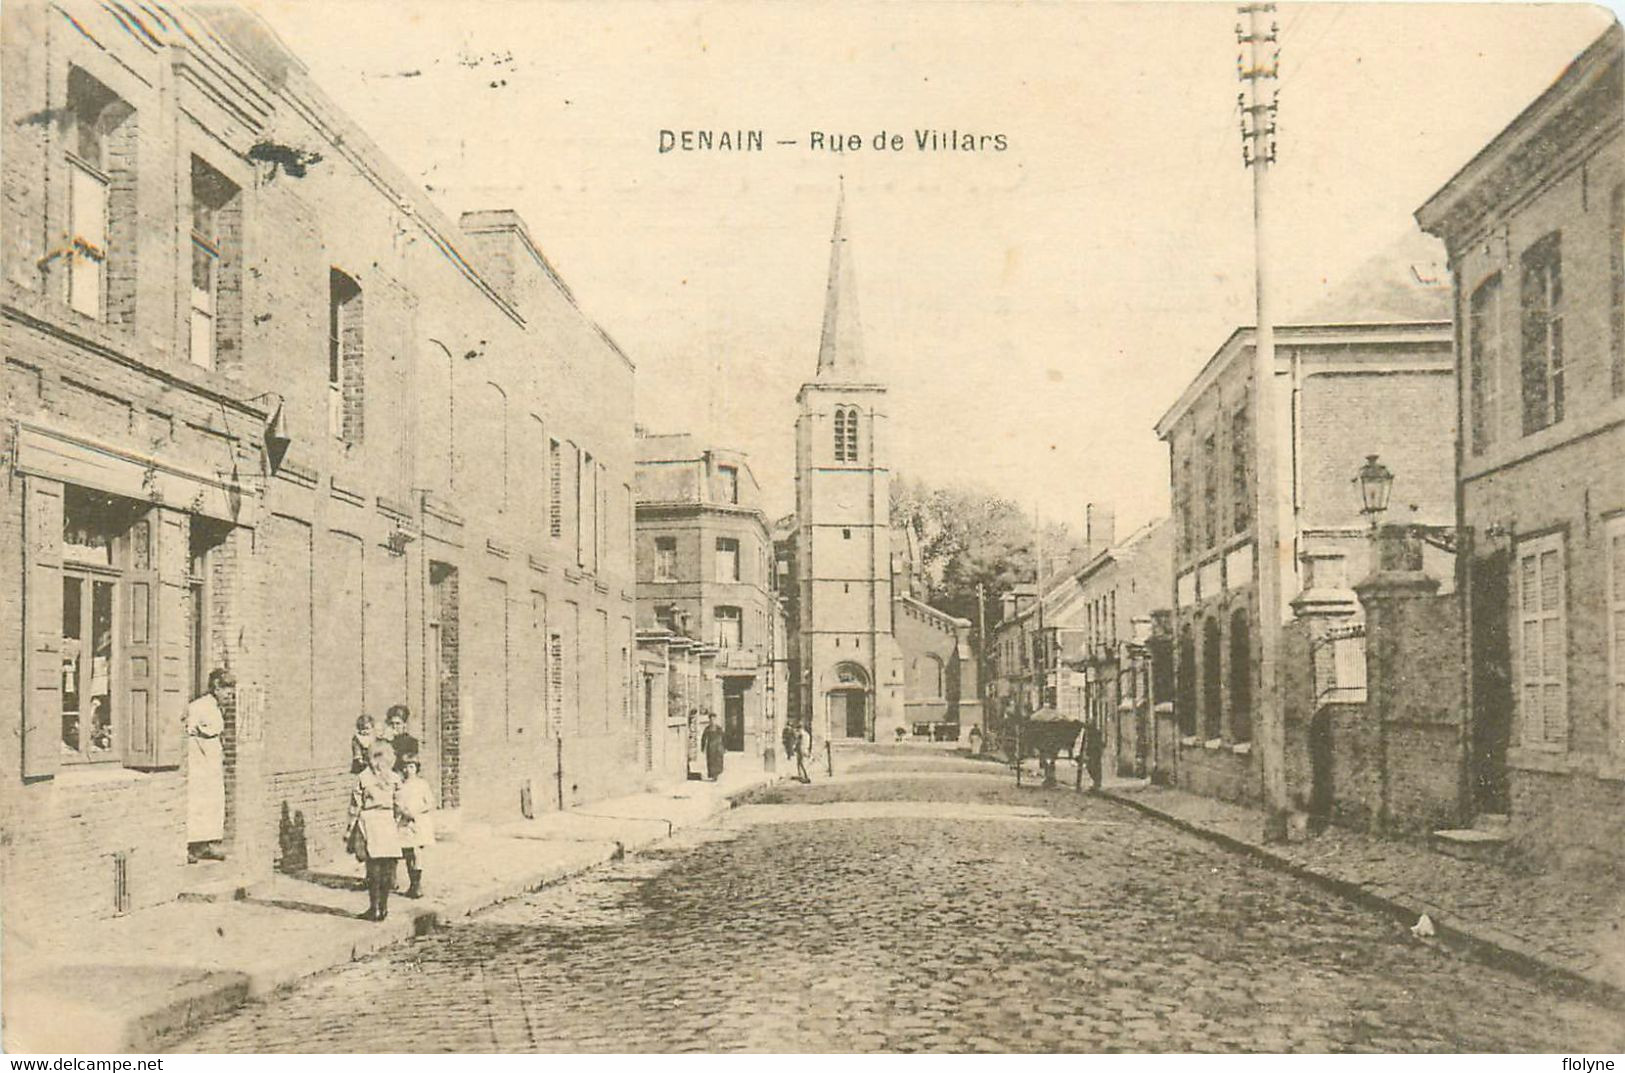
column 840, row 346
column 1529, row 133
column 1406, row 281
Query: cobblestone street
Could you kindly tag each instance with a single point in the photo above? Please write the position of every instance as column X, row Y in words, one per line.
column 923, row 903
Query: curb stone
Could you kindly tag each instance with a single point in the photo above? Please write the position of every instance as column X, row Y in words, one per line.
column 222, row 993
column 1484, row 942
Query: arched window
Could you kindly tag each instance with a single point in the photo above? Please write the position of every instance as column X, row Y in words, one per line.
column 1185, row 681
column 840, row 434
column 846, row 434
column 851, row 435
column 496, row 421
column 1241, row 678
column 931, row 682
column 1212, row 680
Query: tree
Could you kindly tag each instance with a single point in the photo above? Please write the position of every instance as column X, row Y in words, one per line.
column 968, row 537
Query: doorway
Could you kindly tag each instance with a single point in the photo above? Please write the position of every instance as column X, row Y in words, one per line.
column 733, row 716
column 443, row 628
column 1492, row 682
column 849, row 711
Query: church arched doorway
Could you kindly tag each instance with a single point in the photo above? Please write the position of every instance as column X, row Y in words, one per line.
column 847, row 702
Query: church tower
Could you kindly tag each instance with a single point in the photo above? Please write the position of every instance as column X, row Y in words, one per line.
column 850, row 666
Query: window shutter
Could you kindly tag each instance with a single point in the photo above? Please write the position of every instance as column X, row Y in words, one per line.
column 1533, row 300
column 140, row 648
column 173, row 636
column 42, row 629
column 1543, row 642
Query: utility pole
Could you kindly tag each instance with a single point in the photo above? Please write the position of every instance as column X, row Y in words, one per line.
column 1258, row 66
column 1039, row 648
column 984, row 694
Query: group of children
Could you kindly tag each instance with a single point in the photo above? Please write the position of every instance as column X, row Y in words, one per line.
column 391, row 808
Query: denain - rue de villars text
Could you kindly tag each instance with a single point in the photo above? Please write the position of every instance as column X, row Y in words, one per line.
column 920, row 139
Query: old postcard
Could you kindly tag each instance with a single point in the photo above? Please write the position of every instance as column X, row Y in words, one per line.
column 858, row 527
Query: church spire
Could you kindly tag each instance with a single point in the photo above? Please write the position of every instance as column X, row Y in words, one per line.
column 840, row 350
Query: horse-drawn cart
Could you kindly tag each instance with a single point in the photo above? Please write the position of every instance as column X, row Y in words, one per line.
column 1047, row 736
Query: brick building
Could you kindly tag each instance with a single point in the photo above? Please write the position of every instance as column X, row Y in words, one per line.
column 1535, row 227
column 705, row 569
column 267, row 409
column 1344, row 391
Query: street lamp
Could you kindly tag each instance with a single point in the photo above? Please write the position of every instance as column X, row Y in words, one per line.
column 1376, row 483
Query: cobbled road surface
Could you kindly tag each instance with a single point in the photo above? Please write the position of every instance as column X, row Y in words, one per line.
column 922, row 903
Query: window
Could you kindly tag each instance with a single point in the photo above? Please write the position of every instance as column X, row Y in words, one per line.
column 1616, row 630
column 343, row 357
column 1241, row 678
column 727, row 559
column 212, row 196
column 1542, row 640
column 1543, row 334
column 497, row 401
column 1212, row 680
column 730, row 627
column 107, row 556
column 846, row 434
column 1185, row 681
column 1241, row 488
column 555, row 488
column 1616, row 271
column 101, row 198
column 728, row 478
column 1210, row 490
column 555, row 683
column 1484, row 362
column 665, row 558
column 1186, row 507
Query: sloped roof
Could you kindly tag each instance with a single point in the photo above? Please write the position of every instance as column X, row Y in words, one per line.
column 1407, row 280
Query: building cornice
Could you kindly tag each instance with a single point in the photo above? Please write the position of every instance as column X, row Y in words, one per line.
column 1582, row 108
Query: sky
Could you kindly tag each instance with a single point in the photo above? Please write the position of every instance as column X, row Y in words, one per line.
column 1033, row 311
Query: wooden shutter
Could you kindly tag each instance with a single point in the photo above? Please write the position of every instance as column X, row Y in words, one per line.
column 1616, row 631
column 171, row 642
column 42, row 628
column 140, row 646
column 1542, row 644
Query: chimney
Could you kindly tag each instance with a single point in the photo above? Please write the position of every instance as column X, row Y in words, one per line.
column 1099, row 528
column 506, row 256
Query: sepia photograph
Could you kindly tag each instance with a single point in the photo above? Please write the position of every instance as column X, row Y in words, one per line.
column 847, row 526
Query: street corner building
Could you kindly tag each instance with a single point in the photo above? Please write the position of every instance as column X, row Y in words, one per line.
column 1345, row 390
column 870, row 660
column 268, row 410
column 708, row 604
column 1535, row 228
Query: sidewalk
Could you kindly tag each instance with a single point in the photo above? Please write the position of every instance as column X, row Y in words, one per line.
column 1563, row 927
column 130, row 983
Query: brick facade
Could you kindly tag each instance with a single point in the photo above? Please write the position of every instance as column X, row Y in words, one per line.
column 1535, row 228
column 404, row 554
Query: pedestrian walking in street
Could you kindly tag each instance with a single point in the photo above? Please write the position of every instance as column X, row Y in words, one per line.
column 803, row 750
column 374, row 837
column 712, row 745
column 414, row 812
column 792, row 732
column 395, row 721
column 361, row 743
column 206, row 771
column 1094, row 746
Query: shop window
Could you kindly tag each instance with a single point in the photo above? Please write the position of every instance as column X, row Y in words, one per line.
column 103, row 540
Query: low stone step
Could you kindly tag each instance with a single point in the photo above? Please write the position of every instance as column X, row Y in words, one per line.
column 1472, row 843
column 1492, row 821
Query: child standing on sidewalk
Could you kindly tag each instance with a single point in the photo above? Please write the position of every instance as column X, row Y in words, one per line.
column 374, row 837
column 361, row 744
column 414, row 806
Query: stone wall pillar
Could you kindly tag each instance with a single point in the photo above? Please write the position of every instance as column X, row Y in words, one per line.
column 1412, row 692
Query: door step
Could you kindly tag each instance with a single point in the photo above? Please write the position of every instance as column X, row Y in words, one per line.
column 1488, row 839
